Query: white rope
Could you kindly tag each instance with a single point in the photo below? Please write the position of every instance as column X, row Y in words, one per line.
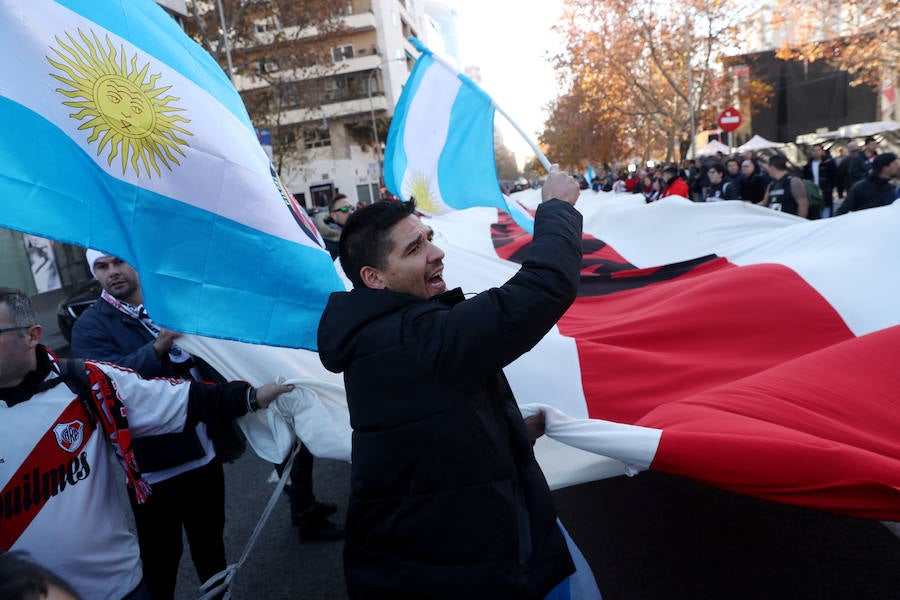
column 222, row 580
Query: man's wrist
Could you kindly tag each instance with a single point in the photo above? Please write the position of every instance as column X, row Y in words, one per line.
column 252, row 402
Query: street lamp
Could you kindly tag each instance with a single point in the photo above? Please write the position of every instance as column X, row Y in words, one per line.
column 372, row 108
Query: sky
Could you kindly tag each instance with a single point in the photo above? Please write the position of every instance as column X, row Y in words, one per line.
column 510, row 41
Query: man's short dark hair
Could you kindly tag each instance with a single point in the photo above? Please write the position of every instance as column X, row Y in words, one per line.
column 779, row 162
column 671, row 170
column 335, row 201
column 365, row 240
column 17, row 302
column 881, row 161
column 733, row 160
column 718, row 168
column 23, row 579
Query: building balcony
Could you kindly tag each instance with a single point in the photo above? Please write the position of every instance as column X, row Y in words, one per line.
column 334, row 110
column 245, row 81
column 364, row 21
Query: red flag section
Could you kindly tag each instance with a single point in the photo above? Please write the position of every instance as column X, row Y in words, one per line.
column 756, row 381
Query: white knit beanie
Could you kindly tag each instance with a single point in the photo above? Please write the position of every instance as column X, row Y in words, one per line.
column 92, row 255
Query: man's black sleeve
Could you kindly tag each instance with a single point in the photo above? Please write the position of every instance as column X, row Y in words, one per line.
column 217, row 402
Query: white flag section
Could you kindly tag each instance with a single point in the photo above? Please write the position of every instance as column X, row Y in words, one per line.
column 122, row 134
column 440, row 148
column 738, row 346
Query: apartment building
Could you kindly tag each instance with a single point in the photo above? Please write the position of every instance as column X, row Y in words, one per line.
column 330, row 122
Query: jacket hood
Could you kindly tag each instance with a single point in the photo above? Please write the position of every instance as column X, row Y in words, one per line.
column 349, row 313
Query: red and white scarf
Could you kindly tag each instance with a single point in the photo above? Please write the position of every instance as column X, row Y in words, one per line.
column 139, row 313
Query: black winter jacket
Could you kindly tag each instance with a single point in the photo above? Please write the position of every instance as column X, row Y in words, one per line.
column 447, row 499
column 871, row 192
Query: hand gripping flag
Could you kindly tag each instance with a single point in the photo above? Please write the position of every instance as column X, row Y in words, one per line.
column 744, row 348
column 440, row 148
column 120, row 133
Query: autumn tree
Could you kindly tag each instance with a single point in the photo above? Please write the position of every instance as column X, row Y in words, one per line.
column 861, row 37
column 636, row 71
column 279, row 59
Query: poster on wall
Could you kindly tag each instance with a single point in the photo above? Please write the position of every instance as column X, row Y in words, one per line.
column 43, row 263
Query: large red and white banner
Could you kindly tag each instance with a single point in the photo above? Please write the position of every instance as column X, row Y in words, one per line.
column 741, row 347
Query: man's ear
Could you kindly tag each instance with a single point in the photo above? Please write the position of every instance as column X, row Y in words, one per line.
column 373, row 278
column 34, row 335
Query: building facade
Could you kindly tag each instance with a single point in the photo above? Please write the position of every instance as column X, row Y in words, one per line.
column 329, row 122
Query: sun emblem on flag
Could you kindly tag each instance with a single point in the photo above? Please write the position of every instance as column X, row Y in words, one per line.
column 123, row 107
column 418, row 186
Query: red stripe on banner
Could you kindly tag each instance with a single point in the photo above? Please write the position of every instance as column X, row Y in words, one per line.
column 645, row 347
column 55, row 463
column 818, row 431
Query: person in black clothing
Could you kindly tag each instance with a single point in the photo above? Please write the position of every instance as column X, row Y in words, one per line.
column 447, row 500
column 860, row 165
column 752, row 187
column 876, row 189
column 733, row 171
column 719, row 187
column 785, row 193
column 330, row 225
column 821, row 170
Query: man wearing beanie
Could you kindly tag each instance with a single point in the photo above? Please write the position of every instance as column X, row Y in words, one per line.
column 876, row 189
column 185, row 474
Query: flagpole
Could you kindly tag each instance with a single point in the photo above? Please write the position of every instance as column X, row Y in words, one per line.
column 537, row 151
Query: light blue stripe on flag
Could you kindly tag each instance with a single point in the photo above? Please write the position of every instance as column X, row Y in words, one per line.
column 201, row 273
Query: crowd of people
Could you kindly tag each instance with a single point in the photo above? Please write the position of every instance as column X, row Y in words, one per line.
column 853, row 180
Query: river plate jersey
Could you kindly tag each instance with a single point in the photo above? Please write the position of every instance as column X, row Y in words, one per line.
column 58, row 478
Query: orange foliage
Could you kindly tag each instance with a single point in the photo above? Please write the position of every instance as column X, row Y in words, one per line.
column 629, row 89
column 861, row 37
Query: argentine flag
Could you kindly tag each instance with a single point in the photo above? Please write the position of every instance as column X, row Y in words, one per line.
column 122, row 134
column 440, row 148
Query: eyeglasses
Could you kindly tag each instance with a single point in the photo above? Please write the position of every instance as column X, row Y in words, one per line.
column 345, row 209
column 20, row 328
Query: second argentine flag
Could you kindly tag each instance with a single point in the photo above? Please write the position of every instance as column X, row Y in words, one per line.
column 440, row 147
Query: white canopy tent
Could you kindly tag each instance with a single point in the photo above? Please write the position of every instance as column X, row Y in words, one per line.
column 713, row 147
column 867, row 129
column 758, row 142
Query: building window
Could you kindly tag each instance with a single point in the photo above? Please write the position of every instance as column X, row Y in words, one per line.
column 318, row 137
column 339, row 53
column 265, row 25
column 267, row 65
column 286, row 138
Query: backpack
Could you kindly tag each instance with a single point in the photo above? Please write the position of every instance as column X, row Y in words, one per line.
column 813, row 193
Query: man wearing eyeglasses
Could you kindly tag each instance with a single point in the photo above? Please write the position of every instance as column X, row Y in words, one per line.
column 58, row 431
column 331, row 226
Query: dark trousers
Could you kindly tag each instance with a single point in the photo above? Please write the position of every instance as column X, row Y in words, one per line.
column 194, row 501
column 301, row 490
